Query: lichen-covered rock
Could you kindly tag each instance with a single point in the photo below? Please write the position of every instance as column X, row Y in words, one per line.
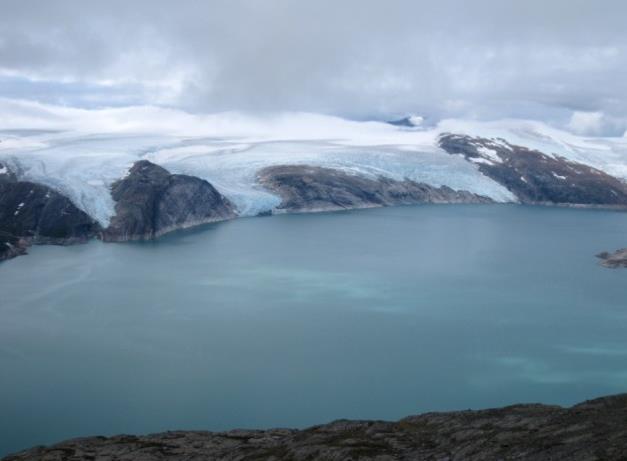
column 312, row 188
column 535, row 177
column 151, row 202
column 35, row 214
column 593, row 430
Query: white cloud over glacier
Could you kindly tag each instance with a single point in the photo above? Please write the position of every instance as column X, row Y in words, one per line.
column 360, row 59
column 222, row 88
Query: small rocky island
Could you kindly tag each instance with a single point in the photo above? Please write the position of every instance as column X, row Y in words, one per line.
column 593, row 430
column 614, row 260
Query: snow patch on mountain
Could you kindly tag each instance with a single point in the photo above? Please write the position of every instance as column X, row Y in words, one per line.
column 606, row 154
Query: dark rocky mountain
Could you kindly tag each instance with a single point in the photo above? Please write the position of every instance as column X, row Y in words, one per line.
column 407, row 122
column 151, row 202
column 35, row 214
column 535, row 177
column 614, row 260
column 310, row 188
column 593, row 430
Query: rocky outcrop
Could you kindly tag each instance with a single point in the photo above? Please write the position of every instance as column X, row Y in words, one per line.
column 151, row 202
column 305, row 188
column 11, row 246
column 411, row 121
column 35, row 214
column 535, row 177
column 614, row 260
column 593, row 430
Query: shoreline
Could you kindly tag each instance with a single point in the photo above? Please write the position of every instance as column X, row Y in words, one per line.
column 199, row 225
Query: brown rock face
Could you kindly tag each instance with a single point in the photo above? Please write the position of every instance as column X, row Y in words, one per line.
column 151, row 202
column 593, row 430
column 535, row 177
column 310, row 188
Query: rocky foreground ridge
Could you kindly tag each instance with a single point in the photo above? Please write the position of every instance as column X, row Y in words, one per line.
column 593, row 430
column 150, row 201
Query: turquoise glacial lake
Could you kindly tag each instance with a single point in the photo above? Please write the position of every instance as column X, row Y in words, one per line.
column 294, row 320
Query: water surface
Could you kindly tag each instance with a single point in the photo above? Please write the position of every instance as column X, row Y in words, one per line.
column 300, row 319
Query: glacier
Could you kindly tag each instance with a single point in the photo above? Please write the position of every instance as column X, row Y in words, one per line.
column 82, row 152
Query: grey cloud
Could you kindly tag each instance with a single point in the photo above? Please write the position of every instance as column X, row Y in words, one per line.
column 516, row 58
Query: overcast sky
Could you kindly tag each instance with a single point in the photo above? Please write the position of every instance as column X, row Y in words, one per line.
column 563, row 61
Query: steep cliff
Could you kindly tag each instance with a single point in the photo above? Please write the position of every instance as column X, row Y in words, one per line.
column 35, row 214
column 151, row 202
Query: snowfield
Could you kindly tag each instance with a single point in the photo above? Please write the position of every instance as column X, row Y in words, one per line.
column 81, row 152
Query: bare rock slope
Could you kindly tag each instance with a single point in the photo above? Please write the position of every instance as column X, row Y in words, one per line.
column 151, row 202
column 35, row 214
column 593, row 430
column 311, row 188
column 535, row 177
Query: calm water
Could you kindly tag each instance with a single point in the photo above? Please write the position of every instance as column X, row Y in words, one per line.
column 296, row 320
